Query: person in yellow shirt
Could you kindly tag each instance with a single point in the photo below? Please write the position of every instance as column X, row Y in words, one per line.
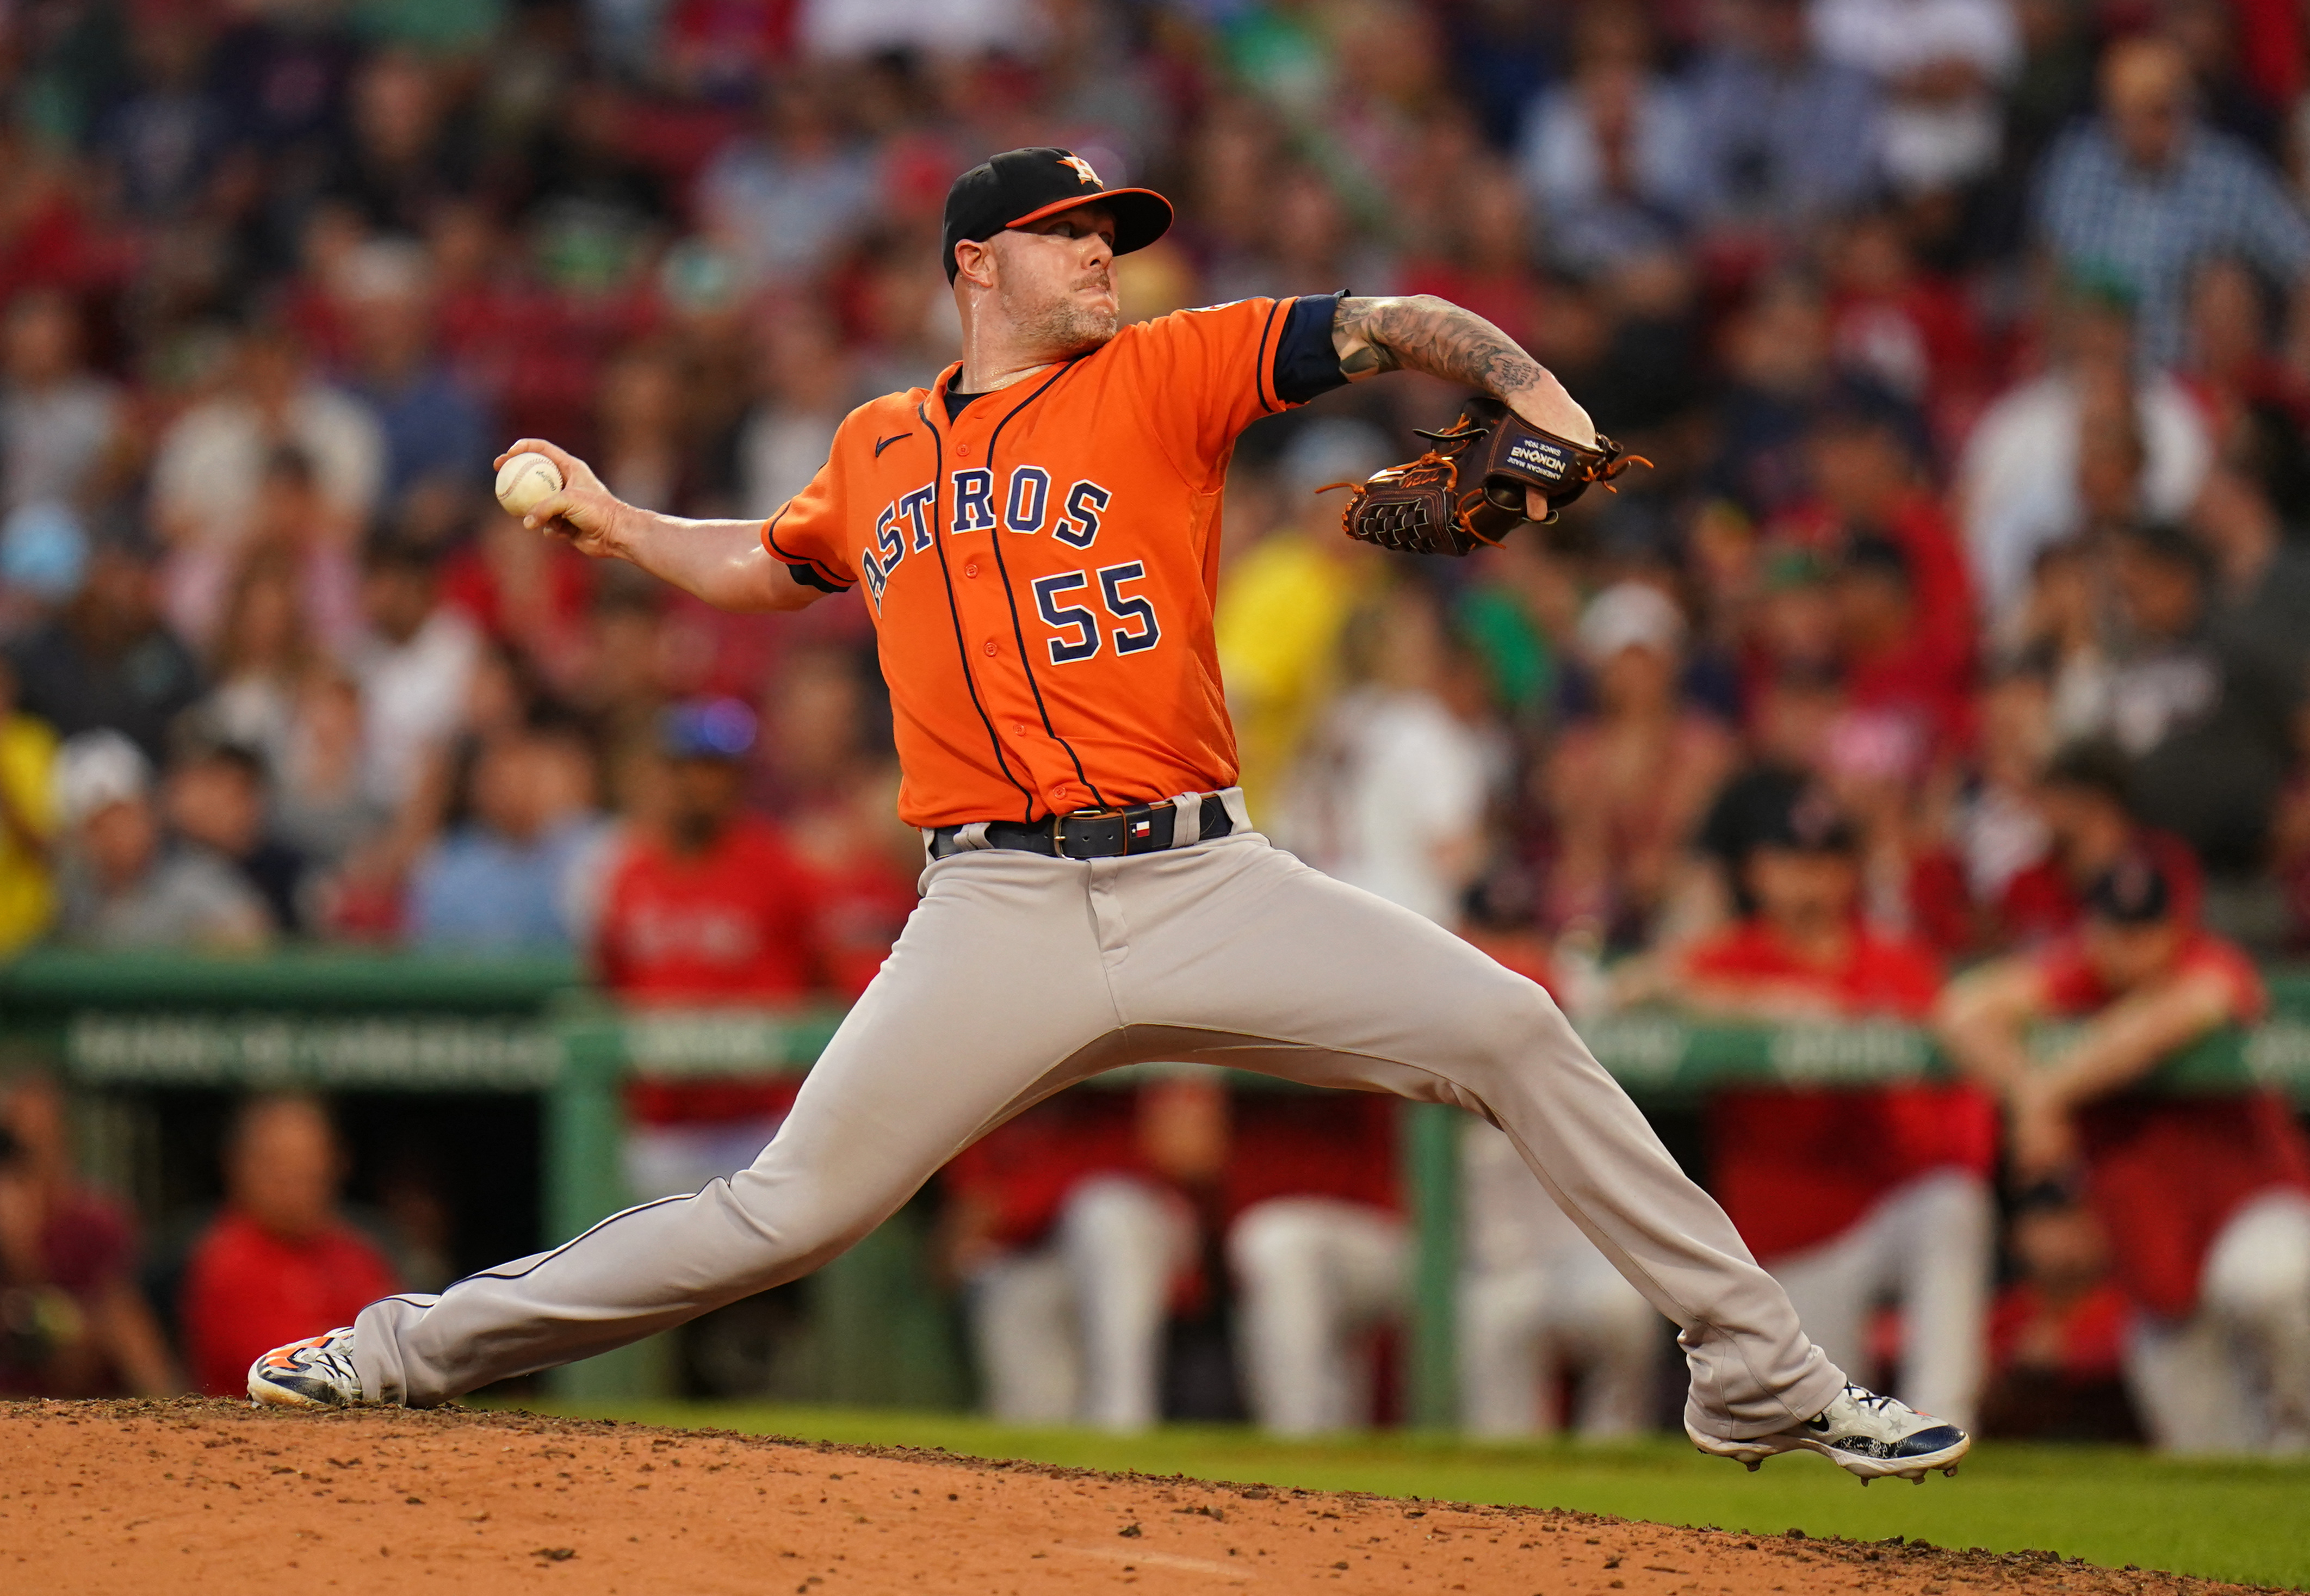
column 1284, row 602
column 28, row 754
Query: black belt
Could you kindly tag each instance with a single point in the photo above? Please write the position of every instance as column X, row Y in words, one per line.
column 1092, row 834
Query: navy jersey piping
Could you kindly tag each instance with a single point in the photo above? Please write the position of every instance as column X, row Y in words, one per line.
column 954, row 610
column 500, row 1274
column 804, row 568
column 1011, row 596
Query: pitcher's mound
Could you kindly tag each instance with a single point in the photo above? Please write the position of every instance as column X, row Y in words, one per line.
column 140, row 1497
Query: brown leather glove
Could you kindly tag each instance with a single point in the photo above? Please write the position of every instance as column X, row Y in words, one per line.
column 1468, row 492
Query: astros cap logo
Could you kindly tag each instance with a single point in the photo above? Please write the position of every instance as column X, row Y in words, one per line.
column 1082, row 170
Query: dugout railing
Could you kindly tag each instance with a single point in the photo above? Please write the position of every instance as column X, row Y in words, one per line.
column 119, row 1025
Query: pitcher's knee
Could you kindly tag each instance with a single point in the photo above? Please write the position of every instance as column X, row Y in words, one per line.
column 781, row 1233
column 1510, row 1019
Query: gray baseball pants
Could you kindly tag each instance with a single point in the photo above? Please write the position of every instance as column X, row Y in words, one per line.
column 1019, row 975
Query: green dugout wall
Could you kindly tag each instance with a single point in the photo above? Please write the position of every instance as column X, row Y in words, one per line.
column 334, row 1021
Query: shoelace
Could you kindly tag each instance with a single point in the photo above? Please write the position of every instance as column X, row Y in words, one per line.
column 1863, row 1397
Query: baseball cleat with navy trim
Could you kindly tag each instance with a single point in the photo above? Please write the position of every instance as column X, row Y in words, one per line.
column 1866, row 1435
column 317, row 1372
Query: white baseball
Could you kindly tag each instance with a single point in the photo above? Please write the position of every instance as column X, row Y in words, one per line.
column 524, row 480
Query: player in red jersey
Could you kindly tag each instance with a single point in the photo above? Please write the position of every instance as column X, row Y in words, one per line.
column 2205, row 1196
column 706, row 907
column 1850, row 1194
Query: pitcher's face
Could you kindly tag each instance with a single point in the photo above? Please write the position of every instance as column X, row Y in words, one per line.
column 1053, row 280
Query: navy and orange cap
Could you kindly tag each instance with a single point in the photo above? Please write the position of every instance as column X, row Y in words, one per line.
column 1022, row 186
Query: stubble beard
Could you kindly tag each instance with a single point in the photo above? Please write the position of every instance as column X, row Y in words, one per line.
column 1062, row 325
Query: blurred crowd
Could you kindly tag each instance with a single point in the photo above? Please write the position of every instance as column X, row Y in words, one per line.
column 1960, row 619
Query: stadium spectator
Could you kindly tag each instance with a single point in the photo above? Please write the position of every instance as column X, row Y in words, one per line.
column 402, row 152
column 209, row 469
column 279, row 1256
column 2243, row 383
column 2208, row 728
column 2260, row 577
column 515, row 874
column 1991, row 830
column 1285, row 602
column 77, row 1325
column 171, row 129
column 1906, row 329
column 1483, row 255
column 263, row 651
column 2148, row 192
column 779, row 202
column 787, row 435
column 2205, row 1196
column 60, row 423
column 1778, row 373
column 414, row 665
column 1793, row 712
column 1942, row 64
column 1391, row 793
column 1609, row 153
column 218, row 801
column 2023, row 481
column 434, row 430
column 1848, row 1195
column 644, row 445
column 28, row 819
column 2083, row 801
column 1627, row 786
column 1782, row 137
column 121, row 885
column 292, row 526
column 108, row 660
column 1903, row 601
column 1539, row 1303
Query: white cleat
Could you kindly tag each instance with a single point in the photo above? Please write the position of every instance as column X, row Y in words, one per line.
column 317, row 1372
column 1866, row 1435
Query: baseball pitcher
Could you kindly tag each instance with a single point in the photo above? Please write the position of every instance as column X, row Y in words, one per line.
column 1037, row 536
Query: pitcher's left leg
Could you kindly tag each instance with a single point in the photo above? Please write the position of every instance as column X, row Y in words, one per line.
column 1285, row 970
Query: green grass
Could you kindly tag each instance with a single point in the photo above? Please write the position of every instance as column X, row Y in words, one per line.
column 2239, row 1519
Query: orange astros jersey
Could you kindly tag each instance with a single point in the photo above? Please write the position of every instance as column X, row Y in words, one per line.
column 1041, row 568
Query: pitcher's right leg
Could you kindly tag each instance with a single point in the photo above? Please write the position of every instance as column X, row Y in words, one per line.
column 992, row 991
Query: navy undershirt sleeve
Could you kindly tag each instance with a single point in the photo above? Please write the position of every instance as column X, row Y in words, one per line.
column 808, row 578
column 1306, row 363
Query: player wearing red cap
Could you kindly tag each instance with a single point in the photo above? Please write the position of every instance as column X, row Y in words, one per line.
column 1036, row 535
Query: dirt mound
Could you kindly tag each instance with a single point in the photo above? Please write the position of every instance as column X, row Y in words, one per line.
column 101, row 1497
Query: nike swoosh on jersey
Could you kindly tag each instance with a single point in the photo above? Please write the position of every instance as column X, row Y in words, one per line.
column 884, row 443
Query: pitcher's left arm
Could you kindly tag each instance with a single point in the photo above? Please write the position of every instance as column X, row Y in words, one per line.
column 1422, row 333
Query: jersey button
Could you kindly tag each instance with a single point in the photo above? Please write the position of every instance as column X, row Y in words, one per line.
column 991, row 647
column 963, row 451
column 971, row 569
column 1018, row 728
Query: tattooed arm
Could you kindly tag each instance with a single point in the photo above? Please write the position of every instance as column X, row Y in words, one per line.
column 1422, row 333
